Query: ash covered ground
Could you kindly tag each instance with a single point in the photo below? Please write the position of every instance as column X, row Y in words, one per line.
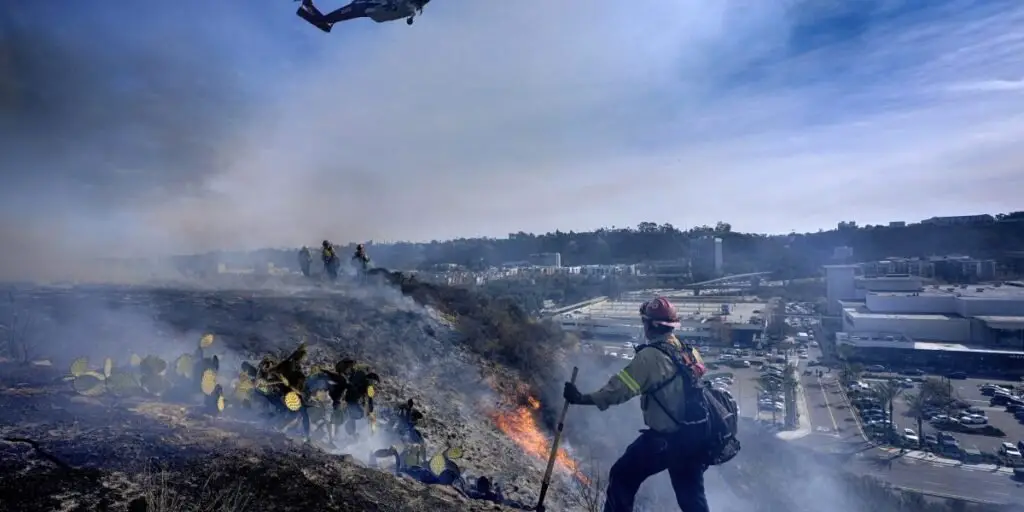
column 487, row 380
column 112, row 450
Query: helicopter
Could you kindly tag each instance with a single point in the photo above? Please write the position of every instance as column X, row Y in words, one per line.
column 379, row 11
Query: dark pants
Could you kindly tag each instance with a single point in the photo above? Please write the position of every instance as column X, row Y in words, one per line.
column 649, row 455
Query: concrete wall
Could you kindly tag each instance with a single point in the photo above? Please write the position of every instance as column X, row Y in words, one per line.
column 996, row 306
column 839, row 282
column 902, row 304
column 923, row 329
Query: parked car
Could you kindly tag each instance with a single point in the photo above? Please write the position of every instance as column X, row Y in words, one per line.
column 910, row 436
column 1009, row 451
column 973, row 419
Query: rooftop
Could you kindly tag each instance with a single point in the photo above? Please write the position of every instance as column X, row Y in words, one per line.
column 897, row 341
column 692, row 310
column 973, row 291
column 898, row 316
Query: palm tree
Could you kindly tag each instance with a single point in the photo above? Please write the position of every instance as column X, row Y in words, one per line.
column 771, row 387
column 918, row 404
column 850, row 373
column 939, row 392
column 886, row 393
column 789, row 385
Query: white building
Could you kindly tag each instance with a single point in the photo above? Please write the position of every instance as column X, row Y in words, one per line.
column 989, row 315
column 718, row 257
column 728, row 320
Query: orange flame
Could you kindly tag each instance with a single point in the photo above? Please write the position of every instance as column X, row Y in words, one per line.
column 520, row 425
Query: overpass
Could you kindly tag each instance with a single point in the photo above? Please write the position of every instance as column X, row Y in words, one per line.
column 725, row 284
column 735, row 279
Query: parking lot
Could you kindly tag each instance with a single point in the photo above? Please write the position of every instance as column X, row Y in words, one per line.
column 743, row 388
column 969, row 391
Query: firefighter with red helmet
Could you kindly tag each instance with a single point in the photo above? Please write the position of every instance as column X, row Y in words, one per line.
column 677, row 428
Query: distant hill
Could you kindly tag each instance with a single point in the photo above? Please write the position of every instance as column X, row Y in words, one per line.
column 790, row 256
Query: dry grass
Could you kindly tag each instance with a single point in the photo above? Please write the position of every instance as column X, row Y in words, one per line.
column 159, row 495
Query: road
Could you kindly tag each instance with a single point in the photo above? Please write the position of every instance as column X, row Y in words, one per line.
column 940, row 480
column 835, row 430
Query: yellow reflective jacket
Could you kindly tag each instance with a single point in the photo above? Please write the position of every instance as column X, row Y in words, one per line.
column 649, row 369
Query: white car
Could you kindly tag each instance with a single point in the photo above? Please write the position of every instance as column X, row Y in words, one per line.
column 973, row 419
column 1009, row 450
column 910, row 435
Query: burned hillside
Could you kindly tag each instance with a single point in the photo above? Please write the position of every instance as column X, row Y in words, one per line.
column 456, row 359
column 485, row 377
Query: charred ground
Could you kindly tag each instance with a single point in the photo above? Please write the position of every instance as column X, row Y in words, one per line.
column 460, row 354
column 455, row 358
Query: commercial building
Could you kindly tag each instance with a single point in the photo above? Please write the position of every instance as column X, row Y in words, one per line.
column 955, row 269
column 726, row 321
column 959, row 220
column 890, row 350
column 706, row 258
column 899, row 313
column 842, row 254
column 546, row 259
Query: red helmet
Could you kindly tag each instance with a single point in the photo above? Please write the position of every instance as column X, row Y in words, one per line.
column 659, row 311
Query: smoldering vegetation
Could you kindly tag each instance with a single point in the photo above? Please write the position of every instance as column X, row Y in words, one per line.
column 454, row 358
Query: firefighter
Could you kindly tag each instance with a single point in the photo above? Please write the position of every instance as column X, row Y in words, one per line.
column 330, row 259
column 405, row 422
column 305, row 260
column 677, row 428
column 353, row 398
column 360, row 259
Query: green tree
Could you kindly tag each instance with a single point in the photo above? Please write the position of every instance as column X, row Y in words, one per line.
column 886, row 393
column 918, row 403
column 939, row 392
column 767, row 385
column 850, row 373
column 790, row 382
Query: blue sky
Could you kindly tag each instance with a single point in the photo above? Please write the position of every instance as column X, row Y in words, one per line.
column 490, row 117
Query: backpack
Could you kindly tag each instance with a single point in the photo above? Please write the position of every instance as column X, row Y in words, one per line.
column 717, row 406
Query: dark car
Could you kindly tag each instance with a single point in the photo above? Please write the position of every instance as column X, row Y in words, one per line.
column 957, row 375
column 913, row 372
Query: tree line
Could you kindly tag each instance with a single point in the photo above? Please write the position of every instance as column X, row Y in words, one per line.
column 789, row 256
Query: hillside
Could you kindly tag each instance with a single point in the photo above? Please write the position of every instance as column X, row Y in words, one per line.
column 416, row 350
column 788, row 256
column 463, row 359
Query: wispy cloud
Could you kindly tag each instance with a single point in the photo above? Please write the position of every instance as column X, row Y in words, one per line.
column 491, row 117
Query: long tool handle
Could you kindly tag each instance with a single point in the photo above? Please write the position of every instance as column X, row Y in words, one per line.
column 554, row 449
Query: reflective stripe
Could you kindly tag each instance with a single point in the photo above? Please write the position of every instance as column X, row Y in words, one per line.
column 628, row 380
